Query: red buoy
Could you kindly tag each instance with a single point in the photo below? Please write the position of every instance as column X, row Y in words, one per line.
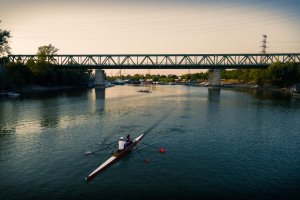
column 162, row 150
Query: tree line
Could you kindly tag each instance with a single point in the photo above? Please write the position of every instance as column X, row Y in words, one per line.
column 202, row 76
column 277, row 74
column 16, row 75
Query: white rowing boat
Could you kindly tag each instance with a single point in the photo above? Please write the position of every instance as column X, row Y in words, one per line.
column 116, row 156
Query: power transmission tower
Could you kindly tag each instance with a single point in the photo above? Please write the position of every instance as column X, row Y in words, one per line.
column 264, row 44
column 119, row 73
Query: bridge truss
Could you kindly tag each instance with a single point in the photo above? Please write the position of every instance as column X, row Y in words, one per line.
column 163, row 61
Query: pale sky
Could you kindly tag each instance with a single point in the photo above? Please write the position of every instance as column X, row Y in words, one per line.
column 156, row 26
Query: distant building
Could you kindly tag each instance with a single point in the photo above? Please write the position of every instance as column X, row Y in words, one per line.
column 148, row 81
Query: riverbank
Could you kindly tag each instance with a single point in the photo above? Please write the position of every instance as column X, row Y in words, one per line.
column 43, row 89
column 253, row 86
column 232, row 84
column 36, row 89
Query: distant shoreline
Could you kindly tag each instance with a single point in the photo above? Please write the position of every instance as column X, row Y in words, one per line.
column 43, row 89
column 37, row 89
column 252, row 86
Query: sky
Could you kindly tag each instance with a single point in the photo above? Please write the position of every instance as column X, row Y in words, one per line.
column 156, row 26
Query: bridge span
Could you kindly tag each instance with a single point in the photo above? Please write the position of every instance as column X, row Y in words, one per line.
column 213, row 62
column 163, row 61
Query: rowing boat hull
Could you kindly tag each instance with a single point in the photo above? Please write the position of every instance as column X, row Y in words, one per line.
column 116, row 156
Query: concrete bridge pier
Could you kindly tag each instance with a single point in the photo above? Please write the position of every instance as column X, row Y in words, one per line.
column 99, row 78
column 214, row 79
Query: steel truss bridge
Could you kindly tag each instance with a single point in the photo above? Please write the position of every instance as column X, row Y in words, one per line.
column 162, row 61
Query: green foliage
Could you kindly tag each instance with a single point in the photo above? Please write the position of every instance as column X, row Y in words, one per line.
column 137, row 77
column 4, row 46
column 19, row 74
column 284, row 74
column 196, row 76
column 260, row 76
column 242, row 75
column 163, row 78
column 45, row 53
column 42, row 67
column 41, row 72
column 278, row 74
column 46, row 74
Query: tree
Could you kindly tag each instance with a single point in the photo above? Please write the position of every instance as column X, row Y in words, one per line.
column 42, row 70
column 4, row 46
column 284, row 74
column 46, row 53
column 19, row 73
column 260, row 76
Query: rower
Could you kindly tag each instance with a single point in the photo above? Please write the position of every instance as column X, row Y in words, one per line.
column 122, row 144
column 128, row 141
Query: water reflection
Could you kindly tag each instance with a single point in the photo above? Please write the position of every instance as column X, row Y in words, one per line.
column 7, row 122
column 99, row 93
column 49, row 117
column 214, row 95
column 35, row 112
column 266, row 95
column 271, row 98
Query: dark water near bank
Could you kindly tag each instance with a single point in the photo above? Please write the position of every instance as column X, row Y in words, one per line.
column 228, row 145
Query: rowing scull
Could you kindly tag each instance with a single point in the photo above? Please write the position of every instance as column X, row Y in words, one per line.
column 116, row 155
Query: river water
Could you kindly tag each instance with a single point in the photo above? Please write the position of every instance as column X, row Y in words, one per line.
column 227, row 145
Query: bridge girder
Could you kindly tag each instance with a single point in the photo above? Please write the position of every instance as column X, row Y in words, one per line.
column 163, row 61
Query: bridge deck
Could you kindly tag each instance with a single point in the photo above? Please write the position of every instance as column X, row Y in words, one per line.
column 163, row 61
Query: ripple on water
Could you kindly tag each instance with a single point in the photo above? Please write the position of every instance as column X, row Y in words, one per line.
column 177, row 130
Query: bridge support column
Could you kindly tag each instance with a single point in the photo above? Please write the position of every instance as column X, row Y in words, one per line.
column 214, row 79
column 99, row 78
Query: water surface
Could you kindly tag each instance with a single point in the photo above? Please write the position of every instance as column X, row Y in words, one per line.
column 227, row 145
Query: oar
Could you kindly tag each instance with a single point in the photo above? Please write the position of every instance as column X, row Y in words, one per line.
column 146, row 161
column 92, row 152
column 161, row 149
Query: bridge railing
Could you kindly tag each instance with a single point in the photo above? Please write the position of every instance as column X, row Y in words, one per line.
column 163, row 61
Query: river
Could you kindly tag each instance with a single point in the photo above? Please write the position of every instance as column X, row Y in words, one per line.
column 227, row 145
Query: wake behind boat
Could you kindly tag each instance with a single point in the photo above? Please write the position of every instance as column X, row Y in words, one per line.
column 116, row 156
